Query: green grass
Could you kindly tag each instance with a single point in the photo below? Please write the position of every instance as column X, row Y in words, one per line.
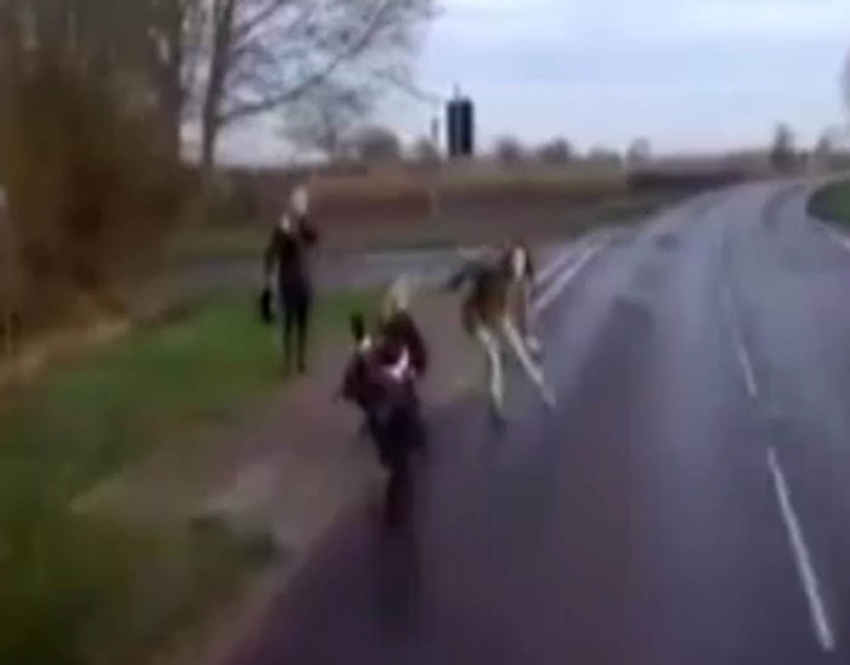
column 70, row 585
column 831, row 203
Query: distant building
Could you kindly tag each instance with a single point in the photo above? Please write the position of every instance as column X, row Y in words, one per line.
column 461, row 126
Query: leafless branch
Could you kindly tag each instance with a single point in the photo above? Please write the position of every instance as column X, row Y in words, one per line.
column 273, row 52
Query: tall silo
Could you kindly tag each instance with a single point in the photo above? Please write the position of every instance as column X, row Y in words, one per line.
column 461, row 126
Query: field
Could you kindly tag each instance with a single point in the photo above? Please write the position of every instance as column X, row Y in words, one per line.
column 417, row 206
column 76, row 586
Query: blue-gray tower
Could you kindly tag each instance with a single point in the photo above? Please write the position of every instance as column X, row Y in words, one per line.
column 461, row 126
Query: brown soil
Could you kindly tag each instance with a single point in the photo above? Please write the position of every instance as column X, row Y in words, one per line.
column 468, row 202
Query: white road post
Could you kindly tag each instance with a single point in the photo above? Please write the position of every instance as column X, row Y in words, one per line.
column 435, row 176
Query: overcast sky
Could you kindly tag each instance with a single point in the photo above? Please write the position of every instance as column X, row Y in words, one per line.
column 691, row 75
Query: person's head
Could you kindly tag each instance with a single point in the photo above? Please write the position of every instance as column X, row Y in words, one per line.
column 299, row 199
column 398, row 297
column 518, row 260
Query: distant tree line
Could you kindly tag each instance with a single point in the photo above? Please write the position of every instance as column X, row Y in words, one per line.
column 510, row 151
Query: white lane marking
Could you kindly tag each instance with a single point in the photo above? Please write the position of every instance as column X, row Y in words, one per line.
column 808, row 578
column 839, row 238
column 563, row 280
column 749, row 374
column 741, row 352
column 555, row 265
column 747, row 367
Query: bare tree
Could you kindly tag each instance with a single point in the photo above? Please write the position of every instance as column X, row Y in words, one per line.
column 326, row 116
column 845, row 86
column 425, row 151
column 639, row 152
column 148, row 51
column 604, row 156
column 377, row 144
column 176, row 53
column 556, row 151
column 265, row 53
column 509, row 151
column 783, row 153
column 824, row 149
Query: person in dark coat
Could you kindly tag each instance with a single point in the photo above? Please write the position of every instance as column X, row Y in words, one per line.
column 380, row 379
column 288, row 251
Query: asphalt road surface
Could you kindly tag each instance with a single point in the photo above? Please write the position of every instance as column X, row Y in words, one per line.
column 353, row 271
column 688, row 502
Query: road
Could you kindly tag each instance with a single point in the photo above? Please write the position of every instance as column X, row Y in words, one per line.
column 364, row 270
column 687, row 502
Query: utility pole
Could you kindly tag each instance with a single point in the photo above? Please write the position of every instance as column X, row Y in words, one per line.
column 438, row 103
column 435, row 175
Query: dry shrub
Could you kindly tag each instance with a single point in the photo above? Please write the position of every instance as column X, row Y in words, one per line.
column 91, row 194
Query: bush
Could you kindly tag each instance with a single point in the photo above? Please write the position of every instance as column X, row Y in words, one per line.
column 91, row 193
column 556, row 151
column 509, row 151
column 831, row 203
column 376, row 145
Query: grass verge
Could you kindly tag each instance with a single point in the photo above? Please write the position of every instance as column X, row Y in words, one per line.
column 75, row 589
column 831, row 203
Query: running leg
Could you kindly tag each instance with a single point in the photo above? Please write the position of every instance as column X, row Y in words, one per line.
column 534, row 372
column 288, row 329
column 495, row 373
column 303, row 329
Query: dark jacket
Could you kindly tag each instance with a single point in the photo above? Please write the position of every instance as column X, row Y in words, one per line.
column 366, row 382
column 288, row 250
column 491, row 289
column 400, row 331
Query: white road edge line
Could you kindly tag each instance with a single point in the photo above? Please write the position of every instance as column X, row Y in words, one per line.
column 839, row 238
column 564, row 279
column 823, row 629
column 747, row 367
column 741, row 352
column 555, row 265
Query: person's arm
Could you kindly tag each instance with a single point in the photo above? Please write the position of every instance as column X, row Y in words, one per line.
column 418, row 348
column 461, row 276
column 309, row 234
column 353, row 386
